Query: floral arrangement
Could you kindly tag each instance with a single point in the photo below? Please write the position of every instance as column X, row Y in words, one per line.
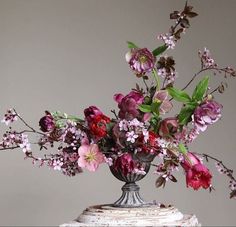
column 140, row 126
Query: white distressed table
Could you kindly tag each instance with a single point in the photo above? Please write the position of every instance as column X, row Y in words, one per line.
column 105, row 215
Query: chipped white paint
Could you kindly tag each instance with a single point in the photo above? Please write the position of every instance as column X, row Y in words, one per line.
column 105, row 215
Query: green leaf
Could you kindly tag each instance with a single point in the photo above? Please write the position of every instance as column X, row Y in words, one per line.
column 155, row 107
column 185, row 114
column 200, row 89
column 60, row 123
column 145, row 108
column 159, row 50
column 178, row 95
column 182, row 149
column 131, row 45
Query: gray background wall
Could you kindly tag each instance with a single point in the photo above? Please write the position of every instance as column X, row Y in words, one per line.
column 66, row 55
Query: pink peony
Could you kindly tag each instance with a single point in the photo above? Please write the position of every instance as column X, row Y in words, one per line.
column 90, row 157
column 128, row 104
column 141, row 61
column 125, row 163
column 206, row 114
column 197, row 175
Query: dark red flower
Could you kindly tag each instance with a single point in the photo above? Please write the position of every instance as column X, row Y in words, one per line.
column 197, row 175
column 98, row 125
column 152, row 145
column 125, row 163
column 47, row 123
column 91, row 112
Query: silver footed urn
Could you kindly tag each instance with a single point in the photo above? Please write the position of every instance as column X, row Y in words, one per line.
column 130, row 191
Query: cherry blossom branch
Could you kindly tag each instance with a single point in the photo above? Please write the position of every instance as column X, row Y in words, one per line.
column 9, row 148
column 114, row 112
column 229, row 172
column 27, row 125
column 206, row 69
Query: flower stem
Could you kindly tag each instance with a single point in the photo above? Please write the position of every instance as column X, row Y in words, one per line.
column 27, row 125
column 156, row 77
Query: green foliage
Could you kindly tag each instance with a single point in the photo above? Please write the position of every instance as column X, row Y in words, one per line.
column 179, row 95
column 60, row 118
column 159, row 50
column 131, row 45
column 200, row 90
column 145, row 108
column 155, row 107
column 186, row 112
column 183, row 149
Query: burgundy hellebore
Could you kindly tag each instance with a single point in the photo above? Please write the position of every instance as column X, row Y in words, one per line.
column 197, row 175
column 141, row 61
column 128, row 104
column 47, row 123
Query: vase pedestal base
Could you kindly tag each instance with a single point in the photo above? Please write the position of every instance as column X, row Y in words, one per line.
column 153, row 215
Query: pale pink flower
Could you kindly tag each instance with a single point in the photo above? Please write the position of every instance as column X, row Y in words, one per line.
column 90, row 157
column 162, row 96
column 206, row 59
column 168, row 39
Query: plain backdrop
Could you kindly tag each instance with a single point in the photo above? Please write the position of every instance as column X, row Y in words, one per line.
column 69, row 54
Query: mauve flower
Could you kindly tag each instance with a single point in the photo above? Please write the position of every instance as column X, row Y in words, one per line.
column 162, row 96
column 206, row 114
column 125, row 163
column 47, row 123
column 141, row 61
column 197, row 174
column 90, row 157
column 91, row 112
column 128, row 104
column 168, row 126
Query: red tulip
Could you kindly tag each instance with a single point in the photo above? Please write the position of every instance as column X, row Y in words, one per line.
column 197, row 175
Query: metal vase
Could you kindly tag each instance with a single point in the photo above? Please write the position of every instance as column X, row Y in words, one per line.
column 130, row 191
